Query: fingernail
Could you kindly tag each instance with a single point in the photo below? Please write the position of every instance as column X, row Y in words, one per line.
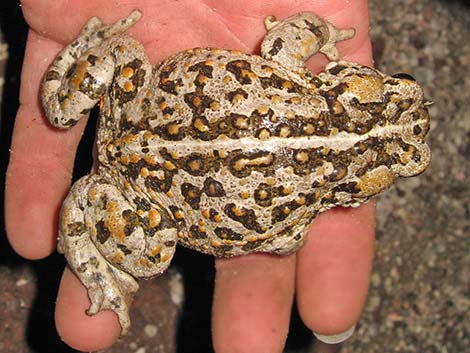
column 335, row 339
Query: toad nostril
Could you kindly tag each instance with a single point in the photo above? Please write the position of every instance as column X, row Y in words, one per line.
column 404, row 76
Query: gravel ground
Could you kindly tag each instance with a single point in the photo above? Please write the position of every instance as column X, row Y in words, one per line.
column 419, row 296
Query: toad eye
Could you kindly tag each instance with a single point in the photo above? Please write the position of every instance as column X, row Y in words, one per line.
column 402, row 75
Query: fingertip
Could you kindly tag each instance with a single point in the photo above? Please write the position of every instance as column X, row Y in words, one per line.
column 30, row 236
column 334, row 268
column 252, row 302
column 74, row 326
column 34, row 250
column 31, row 221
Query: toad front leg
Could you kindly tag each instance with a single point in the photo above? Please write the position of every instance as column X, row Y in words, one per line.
column 84, row 70
column 108, row 241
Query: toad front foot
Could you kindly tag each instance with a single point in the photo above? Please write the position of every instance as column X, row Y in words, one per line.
column 293, row 40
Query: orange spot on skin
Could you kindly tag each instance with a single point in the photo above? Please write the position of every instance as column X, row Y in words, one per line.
column 157, row 249
column 129, row 138
column 164, row 257
column 375, row 181
column 197, row 101
column 270, row 181
column 173, row 129
column 264, row 134
column 194, row 165
column 300, row 201
column 301, row 157
column 214, row 106
column 268, row 69
column 169, row 166
column 79, row 75
column 250, row 74
column 244, row 195
column 162, row 105
column 251, row 238
column 143, row 262
column 237, row 98
column 117, row 258
column 149, row 159
column 295, row 100
column 122, row 48
column 134, row 158
column 127, row 72
column 192, row 194
column 128, row 86
column 263, row 109
column 144, row 172
column 92, row 194
column 199, row 124
column 155, row 218
column 238, row 211
column 215, row 243
column 114, row 221
column 287, row 84
column 202, row 79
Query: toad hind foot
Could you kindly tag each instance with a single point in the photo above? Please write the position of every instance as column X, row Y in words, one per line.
column 96, row 219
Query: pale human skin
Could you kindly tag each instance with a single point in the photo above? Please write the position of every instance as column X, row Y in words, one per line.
column 329, row 276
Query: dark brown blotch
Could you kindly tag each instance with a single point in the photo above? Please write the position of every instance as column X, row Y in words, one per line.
column 237, row 68
column 52, row 75
column 213, row 188
column 75, row 229
column 276, row 47
column 197, row 232
column 264, row 195
column 191, row 194
column 227, row 234
column 132, row 221
column 102, row 232
column 245, row 216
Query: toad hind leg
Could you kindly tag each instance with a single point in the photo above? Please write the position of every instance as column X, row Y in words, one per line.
column 83, row 71
column 108, row 241
column 293, row 40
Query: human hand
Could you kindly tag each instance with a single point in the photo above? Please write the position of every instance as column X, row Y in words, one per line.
column 253, row 293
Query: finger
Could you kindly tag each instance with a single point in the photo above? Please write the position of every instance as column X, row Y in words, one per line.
column 41, row 162
column 252, row 302
column 335, row 263
column 334, row 268
column 80, row 331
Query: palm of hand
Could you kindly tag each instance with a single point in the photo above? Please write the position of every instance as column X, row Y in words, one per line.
column 320, row 272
